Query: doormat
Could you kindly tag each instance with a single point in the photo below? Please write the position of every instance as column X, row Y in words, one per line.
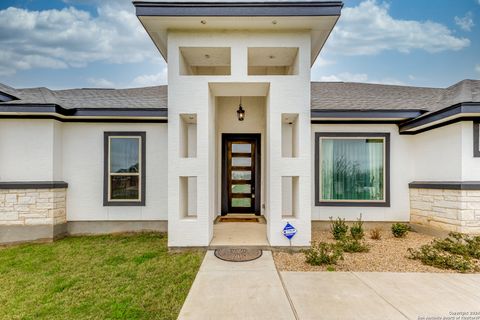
column 238, row 254
column 232, row 219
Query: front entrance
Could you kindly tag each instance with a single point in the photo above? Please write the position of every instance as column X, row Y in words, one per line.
column 241, row 173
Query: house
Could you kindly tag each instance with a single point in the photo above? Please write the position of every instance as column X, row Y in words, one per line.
column 244, row 130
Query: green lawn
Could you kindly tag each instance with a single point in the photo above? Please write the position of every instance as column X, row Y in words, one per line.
column 98, row 277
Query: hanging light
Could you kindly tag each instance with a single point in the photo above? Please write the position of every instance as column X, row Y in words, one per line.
column 240, row 111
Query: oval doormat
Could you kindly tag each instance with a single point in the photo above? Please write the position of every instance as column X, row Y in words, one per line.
column 238, row 254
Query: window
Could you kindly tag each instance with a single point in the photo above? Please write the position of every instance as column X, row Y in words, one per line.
column 352, row 169
column 124, row 169
column 476, row 143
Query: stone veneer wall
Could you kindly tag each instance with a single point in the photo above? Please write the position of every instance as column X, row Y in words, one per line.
column 446, row 209
column 32, row 206
column 32, row 211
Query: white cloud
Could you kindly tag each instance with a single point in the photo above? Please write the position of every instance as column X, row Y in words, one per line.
column 477, row 67
column 346, row 77
column 71, row 37
column 101, row 83
column 465, row 23
column 369, row 29
column 358, row 77
column 147, row 80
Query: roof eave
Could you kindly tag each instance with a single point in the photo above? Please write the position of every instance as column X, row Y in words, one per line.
column 455, row 113
column 238, row 9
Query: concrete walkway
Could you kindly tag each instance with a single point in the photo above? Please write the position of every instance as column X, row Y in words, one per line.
column 255, row 290
column 241, row 290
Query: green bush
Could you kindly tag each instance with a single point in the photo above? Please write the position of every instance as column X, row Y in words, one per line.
column 356, row 230
column 323, row 253
column 338, row 228
column 351, row 245
column 429, row 255
column 457, row 243
column 400, row 230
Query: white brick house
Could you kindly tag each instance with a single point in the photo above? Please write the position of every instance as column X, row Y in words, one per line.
column 103, row 160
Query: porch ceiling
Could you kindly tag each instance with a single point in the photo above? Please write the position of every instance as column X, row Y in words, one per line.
column 319, row 17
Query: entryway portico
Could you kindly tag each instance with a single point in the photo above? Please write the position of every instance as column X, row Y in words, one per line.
column 218, row 53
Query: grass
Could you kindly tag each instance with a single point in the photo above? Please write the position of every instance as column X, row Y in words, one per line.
column 98, row 277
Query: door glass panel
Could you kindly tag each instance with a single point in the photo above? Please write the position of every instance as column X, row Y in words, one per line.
column 241, row 202
column 241, row 147
column 241, row 175
column 241, row 188
column 241, row 162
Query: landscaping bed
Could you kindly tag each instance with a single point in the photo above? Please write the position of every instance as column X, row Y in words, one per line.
column 130, row 276
column 389, row 254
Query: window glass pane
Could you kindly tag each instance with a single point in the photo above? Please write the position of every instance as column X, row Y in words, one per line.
column 352, row 169
column 241, row 147
column 241, row 202
column 124, row 187
column 241, row 175
column 124, row 155
column 241, row 162
column 241, row 188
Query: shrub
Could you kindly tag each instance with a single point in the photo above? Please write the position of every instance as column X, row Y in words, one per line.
column 356, row 230
column 400, row 230
column 434, row 257
column 323, row 253
column 339, row 228
column 352, row 245
column 457, row 243
column 376, row 233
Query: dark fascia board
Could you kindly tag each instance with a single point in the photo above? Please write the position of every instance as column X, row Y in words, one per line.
column 400, row 115
column 55, row 109
column 449, row 185
column 238, row 9
column 33, row 185
column 455, row 110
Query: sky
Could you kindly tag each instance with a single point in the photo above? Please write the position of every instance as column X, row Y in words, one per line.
column 100, row 43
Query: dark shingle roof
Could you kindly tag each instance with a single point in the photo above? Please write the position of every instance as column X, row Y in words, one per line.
column 325, row 95
column 148, row 97
column 367, row 96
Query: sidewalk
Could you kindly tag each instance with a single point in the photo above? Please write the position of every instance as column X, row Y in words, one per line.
column 254, row 290
column 237, row 290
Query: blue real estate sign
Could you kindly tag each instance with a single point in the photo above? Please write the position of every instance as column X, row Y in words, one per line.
column 289, row 231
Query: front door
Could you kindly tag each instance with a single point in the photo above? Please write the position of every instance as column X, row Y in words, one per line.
column 241, row 173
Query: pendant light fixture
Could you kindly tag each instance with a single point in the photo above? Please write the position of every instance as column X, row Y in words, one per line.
column 240, row 111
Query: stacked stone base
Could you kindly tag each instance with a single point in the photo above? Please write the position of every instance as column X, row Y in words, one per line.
column 32, row 214
column 446, row 209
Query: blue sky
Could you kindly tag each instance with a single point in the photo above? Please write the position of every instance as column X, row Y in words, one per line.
column 100, row 43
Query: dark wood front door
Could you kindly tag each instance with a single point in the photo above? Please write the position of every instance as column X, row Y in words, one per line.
column 241, row 173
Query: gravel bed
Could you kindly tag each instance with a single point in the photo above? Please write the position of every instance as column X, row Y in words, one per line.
column 386, row 255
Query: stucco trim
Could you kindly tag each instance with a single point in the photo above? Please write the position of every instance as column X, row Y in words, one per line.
column 33, row 185
column 115, row 226
column 319, row 203
column 448, row 185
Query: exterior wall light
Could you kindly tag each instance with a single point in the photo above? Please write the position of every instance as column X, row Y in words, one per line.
column 240, row 111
